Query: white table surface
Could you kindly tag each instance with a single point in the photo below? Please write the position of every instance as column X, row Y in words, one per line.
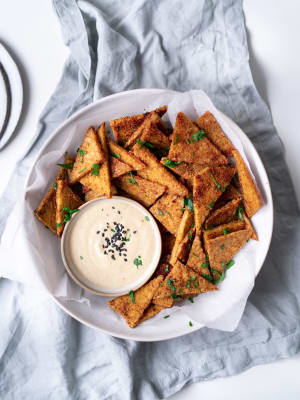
column 32, row 33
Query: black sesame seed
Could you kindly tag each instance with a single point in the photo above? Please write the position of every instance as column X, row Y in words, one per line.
column 134, row 231
column 105, row 252
column 125, row 259
column 105, row 230
column 119, row 212
column 113, row 257
column 98, row 232
column 102, row 235
column 120, row 254
column 113, row 207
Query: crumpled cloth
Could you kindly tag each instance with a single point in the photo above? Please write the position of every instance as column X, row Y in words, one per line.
column 120, row 45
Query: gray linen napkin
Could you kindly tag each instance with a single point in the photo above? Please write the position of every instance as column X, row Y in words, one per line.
column 180, row 45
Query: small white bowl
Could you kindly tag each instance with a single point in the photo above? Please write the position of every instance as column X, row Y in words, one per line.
column 94, row 288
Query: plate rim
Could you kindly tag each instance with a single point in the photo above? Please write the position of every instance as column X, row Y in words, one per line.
column 158, row 91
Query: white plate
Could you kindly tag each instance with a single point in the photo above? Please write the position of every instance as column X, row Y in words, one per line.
column 121, row 104
column 16, row 90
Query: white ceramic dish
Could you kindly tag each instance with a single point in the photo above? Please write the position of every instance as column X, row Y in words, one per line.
column 121, row 104
column 133, row 286
column 16, row 89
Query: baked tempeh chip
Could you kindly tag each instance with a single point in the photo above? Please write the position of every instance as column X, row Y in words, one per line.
column 125, row 156
column 189, row 145
column 197, row 259
column 118, row 168
column 214, row 132
column 183, row 169
column 132, row 312
column 168, row 211
column 251, row 194
column 88, row 155
column 223, row 214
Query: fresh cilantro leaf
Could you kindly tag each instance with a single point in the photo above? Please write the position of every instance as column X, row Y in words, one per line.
column 198, row 135
column 219, row 187
column 170, row 163
column 66, row 166
column 188, row 202
column 95, row 170
column 137, row 262
column 116, row 155
column 147, row 218
column 131, row 295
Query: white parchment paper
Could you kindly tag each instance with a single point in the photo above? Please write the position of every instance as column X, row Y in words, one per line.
column 30, row 253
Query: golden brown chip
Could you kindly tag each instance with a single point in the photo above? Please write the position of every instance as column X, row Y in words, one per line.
column 140, row 189
column 208, row 187
column 186, row 225
column 92, row 195
column 151, row 120
column 197, row 259
column 183, row 169
column 125, row 156
column 124, row 127
column 251, row 195
column 248, row 225
column 158, row 173
column 104, row 171
column 165, row 302
column 223, row 229
column 168, row 211
column 88, row 155
column 190, row 146
column 182, row 281
column 132, row 307
column 118, row 168
column 152, row 134
column 223, row 214
column 64, row 198
column 214, row 132
column 231, row 193
column 222, row 248
column 46, row 211
column 150, row 312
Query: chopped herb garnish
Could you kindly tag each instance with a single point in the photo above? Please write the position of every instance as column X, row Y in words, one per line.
column 222, row 247
column 170, row 163
column 239, row 213
column 58, row 225
column 198, row 135
column 191, row 300
column 166, row 316
column 207, row 277
column 82, row 170
column 66, row 166
column 127, row 239
column 222, row 264
column 131, row 180
column 170, row 284
column 225, row 231
column 81, row 152
column 54, row 186
column 175, row 296
column 211, row 205
column 67, row 213
column 188, row 202
column 167, row 212
column 190, row 323
column 230, row 264
column 95, row 170
column 116, row 155
column 81, row 258
column 167, row 268
column 159, row 212
column 205, row 265
column 235, row 177
column 147, row 218
column 131, row 295
column 219, row 187
column 188, row 283
column 176, row 139
column 113, row 230
column 247, row 240
column 146, row 144
column 137, row 262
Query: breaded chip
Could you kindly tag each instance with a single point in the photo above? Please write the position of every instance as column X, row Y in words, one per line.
column 152, row 134
column 168, row 211
column 132, row 307
column 222, row 248
column 125, row 156
column 96, row 182
column 164, row 302
column 65, row 198
column 88, row 155
column 248, row 225
column 197, row 259
column 46, row 211
column 189, row 145
column 181, row 282
column 186, row 225
column 208, row 187
column 183, row 248
column 223, row 214
column 214, row 132
column 223, row 229
column 92, row 195
column 231, row 193
column 250, row 192
column 124, row 127
column 118, row 168
column 157, row 173
column 150, row 312
column 183, row 169
column 140, row 189
column 104, row 171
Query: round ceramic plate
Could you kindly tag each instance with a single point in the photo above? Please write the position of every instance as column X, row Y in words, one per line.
column 16, row 93
column 125, row 103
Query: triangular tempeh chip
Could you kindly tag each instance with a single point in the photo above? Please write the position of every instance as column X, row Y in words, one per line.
column 168, row 211
column 223, row 215
column 197, row 258
column 125, row 156
column 118, row 168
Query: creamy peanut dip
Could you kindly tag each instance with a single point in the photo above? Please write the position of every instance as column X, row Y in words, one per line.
column 111, row 244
